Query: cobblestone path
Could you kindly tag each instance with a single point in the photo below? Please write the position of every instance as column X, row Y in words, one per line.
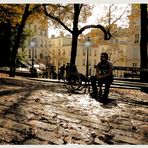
column 45, row 113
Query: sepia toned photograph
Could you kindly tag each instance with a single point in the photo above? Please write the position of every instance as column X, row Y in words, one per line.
column 73, row 74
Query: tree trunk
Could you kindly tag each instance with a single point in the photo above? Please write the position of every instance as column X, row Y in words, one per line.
column 17, row 41
column 5, row 43
column 143, row 46
column 74, row 49
column 75, row 34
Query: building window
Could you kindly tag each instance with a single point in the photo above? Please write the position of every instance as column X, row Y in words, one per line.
column 41, row 43
column 63, row 52
column 136, row 38
column 83, row 62
column 45, row 43
column 135, row 53
column 35, row 54
column 41, row 55
column 89, row 63
column 135, row 65
column 95, row 53
column 89, row 52
column 95, row 62
column 84, row 52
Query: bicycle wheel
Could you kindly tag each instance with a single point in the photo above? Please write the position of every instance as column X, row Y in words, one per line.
column 72, row 82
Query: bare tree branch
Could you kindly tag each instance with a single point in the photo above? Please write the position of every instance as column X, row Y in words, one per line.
column 81, row 6
column 119, row 16
column 56, row 19
column 107, row 34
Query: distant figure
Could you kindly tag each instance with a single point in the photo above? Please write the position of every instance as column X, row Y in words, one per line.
column 67, row 68
column 62, row 72
column 33, row 72
column 53, row 74
column 45, row 74
column 103, row 76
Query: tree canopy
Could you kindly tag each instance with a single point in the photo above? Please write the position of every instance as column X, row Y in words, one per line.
column 17, row 15
column 69, row 16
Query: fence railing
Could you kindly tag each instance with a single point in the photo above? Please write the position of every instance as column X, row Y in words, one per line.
column 128, row 72
column 138, row 69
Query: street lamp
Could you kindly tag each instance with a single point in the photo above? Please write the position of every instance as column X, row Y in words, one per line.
column 32, row 45
column 87, row 45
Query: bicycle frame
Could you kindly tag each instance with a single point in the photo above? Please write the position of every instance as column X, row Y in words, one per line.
column 73, row 82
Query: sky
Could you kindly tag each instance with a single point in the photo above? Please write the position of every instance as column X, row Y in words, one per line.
column 98, row 11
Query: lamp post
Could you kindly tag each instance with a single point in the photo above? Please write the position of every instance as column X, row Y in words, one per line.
column 32, row 45
column 87, row 45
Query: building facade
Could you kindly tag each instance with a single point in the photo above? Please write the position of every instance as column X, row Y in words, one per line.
column 38, row 34
column 133, row 49
column 61, row 53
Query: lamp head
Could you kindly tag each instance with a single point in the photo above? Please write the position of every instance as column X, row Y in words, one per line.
column 33, row 43
column 87, row 42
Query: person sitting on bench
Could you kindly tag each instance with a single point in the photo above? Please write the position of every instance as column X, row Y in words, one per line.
column 103, row 75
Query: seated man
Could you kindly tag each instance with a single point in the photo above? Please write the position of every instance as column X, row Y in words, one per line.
column 103, row 76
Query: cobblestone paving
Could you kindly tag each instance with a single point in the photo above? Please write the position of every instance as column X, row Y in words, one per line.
column 45, row 113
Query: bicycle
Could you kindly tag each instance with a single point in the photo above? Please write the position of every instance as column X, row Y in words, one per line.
column 76, row 82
